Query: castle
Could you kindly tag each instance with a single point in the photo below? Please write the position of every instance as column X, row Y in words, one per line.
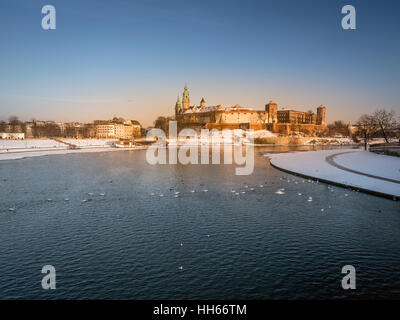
column 282, row 121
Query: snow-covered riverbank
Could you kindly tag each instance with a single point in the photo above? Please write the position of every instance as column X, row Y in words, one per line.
column 34, row 144
column 355, row 168
column 19, row 149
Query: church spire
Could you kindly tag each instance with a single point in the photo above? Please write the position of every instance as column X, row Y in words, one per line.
column 202, row 103
column 185, row 99
column 178, row 106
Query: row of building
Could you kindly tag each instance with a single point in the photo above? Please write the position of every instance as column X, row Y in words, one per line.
column 218, row 117
column 117, row 128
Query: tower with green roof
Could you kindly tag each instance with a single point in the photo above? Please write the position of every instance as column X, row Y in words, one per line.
column 178, row 106
column 185, row 99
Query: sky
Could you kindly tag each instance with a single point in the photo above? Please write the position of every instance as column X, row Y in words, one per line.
column 131, row 58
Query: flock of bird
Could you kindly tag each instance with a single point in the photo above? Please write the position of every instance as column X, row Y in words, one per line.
column 236, row 192
column 102, row 194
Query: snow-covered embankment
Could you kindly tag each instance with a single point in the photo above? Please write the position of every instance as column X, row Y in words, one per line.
column 358, row 169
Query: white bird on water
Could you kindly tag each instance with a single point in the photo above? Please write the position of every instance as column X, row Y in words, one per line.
column 280, row 191
column 11, row 209
column 205, row 190
column 180, row 268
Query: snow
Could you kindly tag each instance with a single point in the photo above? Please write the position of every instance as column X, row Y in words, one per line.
column 31, row 154
column 221, row 137
column 263, row 134
column 91, row 142
column 314, row 164
column 371, row 163
column 211, row 137
column 29, row 144
column 13, row 145
column 19, row 149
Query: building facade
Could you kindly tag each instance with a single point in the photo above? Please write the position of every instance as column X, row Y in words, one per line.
column 218, row 117
column 117, row 129
column 12, row 136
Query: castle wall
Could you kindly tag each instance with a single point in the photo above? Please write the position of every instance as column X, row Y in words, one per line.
column 232, row 126
column 288, row 128
column 238, row 116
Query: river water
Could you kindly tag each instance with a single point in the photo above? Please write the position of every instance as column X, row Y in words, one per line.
column 122, row 233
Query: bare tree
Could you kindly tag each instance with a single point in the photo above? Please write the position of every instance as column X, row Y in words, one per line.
column 15, row 124
column 366, row 127
column 386, row 122
column 162, row 123
column 339, row 127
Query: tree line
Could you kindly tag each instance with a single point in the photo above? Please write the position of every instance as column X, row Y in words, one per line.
column 46, row 129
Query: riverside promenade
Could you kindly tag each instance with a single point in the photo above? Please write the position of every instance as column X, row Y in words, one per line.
column 353, row 168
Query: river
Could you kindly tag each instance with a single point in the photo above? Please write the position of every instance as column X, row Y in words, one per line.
column 115, row 227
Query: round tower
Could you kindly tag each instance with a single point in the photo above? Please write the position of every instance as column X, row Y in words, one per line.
column 321, row 114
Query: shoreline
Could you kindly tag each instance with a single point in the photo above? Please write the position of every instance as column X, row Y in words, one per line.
column 19, row 155
column 317, row 166
column 338, row 184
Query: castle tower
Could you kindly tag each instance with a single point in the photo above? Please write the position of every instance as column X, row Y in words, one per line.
column 272, row 112
column 185, row 99
column 202, row 103
column 321, row 114
column 178, row 106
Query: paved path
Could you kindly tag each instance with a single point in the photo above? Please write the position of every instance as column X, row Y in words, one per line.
column 330, row 160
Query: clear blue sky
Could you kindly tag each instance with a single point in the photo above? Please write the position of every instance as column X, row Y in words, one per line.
column 132, row 58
